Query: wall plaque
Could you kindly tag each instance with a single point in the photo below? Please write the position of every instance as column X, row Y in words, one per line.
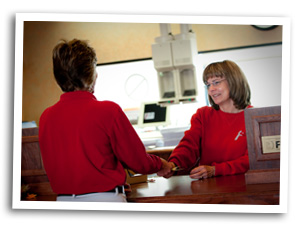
column 271, row 144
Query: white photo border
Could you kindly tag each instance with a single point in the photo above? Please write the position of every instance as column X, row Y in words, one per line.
column 22, row 17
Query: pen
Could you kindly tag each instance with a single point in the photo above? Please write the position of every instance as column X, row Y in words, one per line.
column 176, row 169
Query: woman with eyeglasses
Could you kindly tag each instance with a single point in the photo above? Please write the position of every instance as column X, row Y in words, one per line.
column 216, row 143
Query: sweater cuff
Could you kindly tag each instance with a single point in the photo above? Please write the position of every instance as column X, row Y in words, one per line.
column 218, row 169
column 175, row 162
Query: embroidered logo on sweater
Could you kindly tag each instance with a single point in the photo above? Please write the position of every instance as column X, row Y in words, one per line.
column 240, row 134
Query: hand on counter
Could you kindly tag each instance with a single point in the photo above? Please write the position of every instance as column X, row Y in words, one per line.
column 166, row 170
column 202, row 171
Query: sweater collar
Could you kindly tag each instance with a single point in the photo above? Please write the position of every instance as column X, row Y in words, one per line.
column 77, row 95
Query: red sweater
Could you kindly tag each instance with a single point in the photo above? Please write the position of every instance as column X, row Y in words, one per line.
column 218, row 138
column 86, row 144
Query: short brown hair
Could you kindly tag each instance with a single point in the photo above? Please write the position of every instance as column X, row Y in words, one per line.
column 240, row 91
column 74, row 65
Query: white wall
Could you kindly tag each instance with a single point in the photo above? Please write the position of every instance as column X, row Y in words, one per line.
column 261, row 65
column 127, row 84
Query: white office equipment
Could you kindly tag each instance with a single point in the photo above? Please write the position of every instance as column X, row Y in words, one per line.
column 152, row 114
column 173, row 135
column 174, row 59
column 152, row 117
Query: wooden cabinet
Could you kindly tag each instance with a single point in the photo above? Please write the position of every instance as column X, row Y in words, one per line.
column 32, row 169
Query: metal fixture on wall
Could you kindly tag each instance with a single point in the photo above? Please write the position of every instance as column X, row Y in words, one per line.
column 174, row 58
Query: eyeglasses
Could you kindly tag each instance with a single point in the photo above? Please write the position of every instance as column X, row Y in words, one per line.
column 215, row 83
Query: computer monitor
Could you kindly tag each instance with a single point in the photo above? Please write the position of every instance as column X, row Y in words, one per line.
column 153, row 114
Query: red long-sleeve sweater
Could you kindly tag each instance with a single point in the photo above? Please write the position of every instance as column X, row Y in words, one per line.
column 217, row 139
column 86, row 143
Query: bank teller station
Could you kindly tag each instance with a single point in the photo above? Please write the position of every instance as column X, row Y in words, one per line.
column 177, row 84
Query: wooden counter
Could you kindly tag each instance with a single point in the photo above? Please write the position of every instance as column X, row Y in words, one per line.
column 216, row 190
column 163, row 152
column 182, row 189
column 177, row 189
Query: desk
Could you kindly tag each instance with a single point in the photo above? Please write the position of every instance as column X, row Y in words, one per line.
column 216, row 190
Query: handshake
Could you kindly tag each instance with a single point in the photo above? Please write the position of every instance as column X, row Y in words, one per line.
column 198, row 172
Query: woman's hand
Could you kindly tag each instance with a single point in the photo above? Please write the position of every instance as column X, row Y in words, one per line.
column 202, row 171
column 166, row 170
